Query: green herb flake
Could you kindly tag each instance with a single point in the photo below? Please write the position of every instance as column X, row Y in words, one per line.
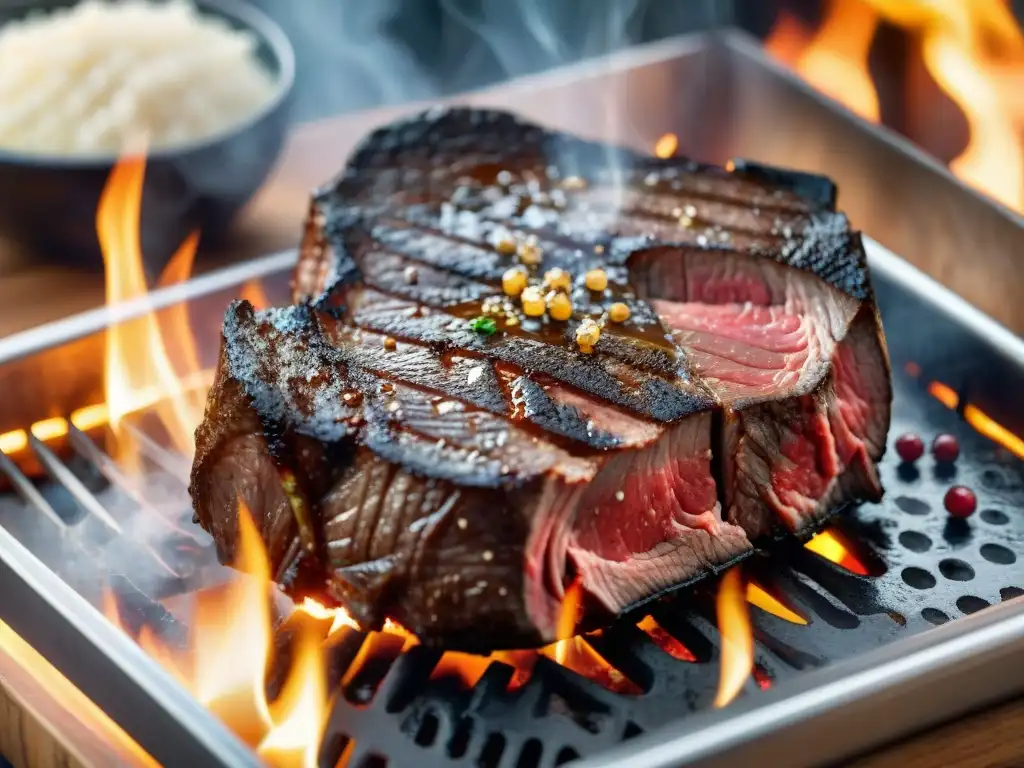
column 484, row 325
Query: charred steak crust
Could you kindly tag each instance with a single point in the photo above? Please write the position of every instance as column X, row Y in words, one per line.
column 402, row 463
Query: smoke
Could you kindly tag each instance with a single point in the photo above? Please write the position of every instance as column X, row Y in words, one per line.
column 355, row 54
column 347, row 58
column 537, row 35
column 534, row 35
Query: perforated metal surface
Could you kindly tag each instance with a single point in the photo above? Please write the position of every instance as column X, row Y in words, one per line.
column 935, row 569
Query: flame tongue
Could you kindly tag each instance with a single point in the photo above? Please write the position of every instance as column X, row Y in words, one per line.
column 298, row 713
column 737, row 636
column 830, row 545
column 835, row 62
column 232, row 640
column 757, row 595
column 137, row 359
column 954, row 51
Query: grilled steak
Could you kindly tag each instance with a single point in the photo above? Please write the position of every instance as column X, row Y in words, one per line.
column 408, row 460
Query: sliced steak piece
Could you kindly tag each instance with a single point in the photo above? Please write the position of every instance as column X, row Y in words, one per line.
column 782, row 351
column 649, row 516
column 422, row 503
column 400, row 458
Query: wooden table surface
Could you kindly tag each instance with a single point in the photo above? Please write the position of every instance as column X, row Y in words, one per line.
column 992, row 739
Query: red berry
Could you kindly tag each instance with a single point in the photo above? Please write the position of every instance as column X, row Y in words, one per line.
column 910, row 447
column 960, row 501
column 945, row 449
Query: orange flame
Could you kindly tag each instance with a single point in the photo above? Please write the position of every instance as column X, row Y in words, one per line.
column 175, row 323
column 139, row 372
column 146, row 639
column 569, row 615
column 967, row 46
column 737, row 635
column 945, row 395
column 665, row 641
column 152, row 362
column 468, row 668
column 252, row 291
column 231, row 647
column 758, row 596
column 377, row 645
column 829, row 544
column 993, row 430
column 137, row 358
column 571, row 651
column 392, row 627
column 94, row 416
column 835, row 61
column 232, row 639
column 299, row 713
column 574, row 652
column 788, row 38
column 339, row 617
column 666, row 146
column 973, row 49
column 978, row 419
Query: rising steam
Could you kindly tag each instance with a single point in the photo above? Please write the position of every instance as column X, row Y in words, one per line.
column 354, row 54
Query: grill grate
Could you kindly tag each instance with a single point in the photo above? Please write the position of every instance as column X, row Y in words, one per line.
column 925, row 569
column 933, row 569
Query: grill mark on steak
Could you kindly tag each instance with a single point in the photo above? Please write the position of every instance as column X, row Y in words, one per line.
column 390, row 273
column 440, row 251
column 691, row 211
column 599, row 375
column 589, row 226
column 500, row 465
column 642, row 343
column 472, row 228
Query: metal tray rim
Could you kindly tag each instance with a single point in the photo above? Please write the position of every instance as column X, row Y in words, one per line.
column 823, row 715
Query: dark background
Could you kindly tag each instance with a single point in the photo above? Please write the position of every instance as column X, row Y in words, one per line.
column 354, row 54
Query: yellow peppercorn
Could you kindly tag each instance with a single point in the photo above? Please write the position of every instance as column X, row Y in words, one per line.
column 587, row 334
column 618, row 312
column 390, row 344
column 560, row 307
column 557, row 280
column 596, row 280
column 506, row 246
column 513, row 282
column 532, row 301
column 529, row 254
